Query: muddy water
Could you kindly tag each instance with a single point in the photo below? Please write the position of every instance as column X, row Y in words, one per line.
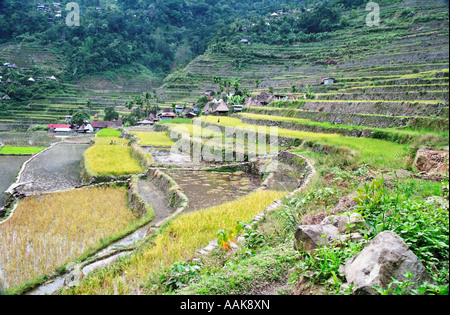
column 208, row 189
column 167, row 158
column 9, row 167
column 39, row 139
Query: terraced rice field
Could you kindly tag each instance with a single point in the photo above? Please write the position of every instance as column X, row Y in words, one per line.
column 49, row 231
column 115, row 159
column 180, row 241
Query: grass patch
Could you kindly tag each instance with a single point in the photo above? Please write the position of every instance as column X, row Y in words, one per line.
column 175, row 121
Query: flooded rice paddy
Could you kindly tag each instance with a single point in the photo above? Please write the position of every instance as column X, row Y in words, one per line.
column 25, row 139
column 9, row 168
column 208, row 189
column 56, row 169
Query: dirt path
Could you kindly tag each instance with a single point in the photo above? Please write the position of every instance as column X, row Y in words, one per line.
column 56, row 169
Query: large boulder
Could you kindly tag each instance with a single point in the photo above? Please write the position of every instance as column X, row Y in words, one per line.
column 309, row 237
column 386, row 257
column 432, row 161
column 342, row 227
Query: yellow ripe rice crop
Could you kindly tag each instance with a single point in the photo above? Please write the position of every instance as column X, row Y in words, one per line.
column 107, row 141
column 49, row 231
column 180, row 241
column 106, row 159
column 156, row 139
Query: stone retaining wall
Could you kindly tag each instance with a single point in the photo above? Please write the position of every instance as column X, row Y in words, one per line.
column 138, row 204
column 374, row 121
column 348, row 132
column 175, row 194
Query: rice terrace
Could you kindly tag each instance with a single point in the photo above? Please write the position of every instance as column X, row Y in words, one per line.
column 287, row 148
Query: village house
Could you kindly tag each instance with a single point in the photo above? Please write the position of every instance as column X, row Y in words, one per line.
column 189, row 113
column 98, row 125
column 222, row 109
column 59, row 128
column 145, row 122
column 167, row 116
column 85, row 129
column 179, row 109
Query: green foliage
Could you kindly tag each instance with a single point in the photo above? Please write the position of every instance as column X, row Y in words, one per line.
column 111, row 114
column 180, row 274
column 79, row 117
column 237, row 100
column 323, row 264
column 229, row 235
column 405, row 287
column 423, row 226
column 160, row 35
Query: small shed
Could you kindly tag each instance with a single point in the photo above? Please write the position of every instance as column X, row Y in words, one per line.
column 6, row 97
column 238, row 108
column 179, row 109
column 326, row 81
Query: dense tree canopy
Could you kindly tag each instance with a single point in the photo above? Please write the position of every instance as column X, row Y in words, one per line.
column 162, row 35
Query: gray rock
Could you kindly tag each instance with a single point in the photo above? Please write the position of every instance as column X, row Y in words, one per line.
column 351, row 223
column 309, row 237
column 332, row 220
column 387, row 256
column 437, row 202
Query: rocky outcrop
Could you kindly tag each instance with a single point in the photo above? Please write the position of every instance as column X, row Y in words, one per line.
column 432, row 161
column 386, row 257
column 332, row 228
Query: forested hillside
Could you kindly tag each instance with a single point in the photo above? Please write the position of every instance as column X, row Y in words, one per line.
column 160, row 35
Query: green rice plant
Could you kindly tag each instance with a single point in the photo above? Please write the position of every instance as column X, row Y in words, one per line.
column 175, row 121
column 109, row 133
column 375, row 152
column 155, row 139
column 20, row 150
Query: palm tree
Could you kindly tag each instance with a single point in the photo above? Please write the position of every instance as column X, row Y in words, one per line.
column 147, row 103
column 308, row 92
